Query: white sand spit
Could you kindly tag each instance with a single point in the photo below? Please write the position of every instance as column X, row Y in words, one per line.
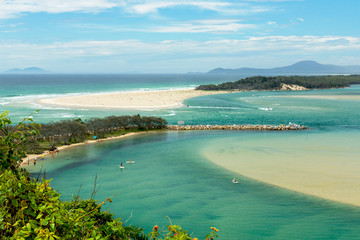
column 129, row 100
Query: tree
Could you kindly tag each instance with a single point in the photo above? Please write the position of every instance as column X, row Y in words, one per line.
column 12, row 138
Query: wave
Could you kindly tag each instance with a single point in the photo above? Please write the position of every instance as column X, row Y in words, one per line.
column 66, row 115
column 22, row 98
column 171, row 113
column 207, row 107
column 13, row 95
column 4, row 103
column 265, row 108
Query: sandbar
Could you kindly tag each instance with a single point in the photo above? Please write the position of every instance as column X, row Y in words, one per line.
column 324, row 165
column 129, row 100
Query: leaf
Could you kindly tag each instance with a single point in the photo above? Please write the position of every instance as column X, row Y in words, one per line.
column 14, row 203
column 52, row 227
column 28, row 226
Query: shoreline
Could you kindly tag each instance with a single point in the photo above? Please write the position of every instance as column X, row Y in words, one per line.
column 159, row 99
column 31, row 157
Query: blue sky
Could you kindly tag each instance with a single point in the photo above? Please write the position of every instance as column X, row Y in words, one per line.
column 157, row 36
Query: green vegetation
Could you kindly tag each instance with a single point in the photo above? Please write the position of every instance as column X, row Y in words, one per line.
column 31, row 209
column 67, row 132
column 12, row 141
column 275, row 83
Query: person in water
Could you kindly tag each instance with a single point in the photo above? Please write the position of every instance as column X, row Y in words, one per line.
column 121, row 164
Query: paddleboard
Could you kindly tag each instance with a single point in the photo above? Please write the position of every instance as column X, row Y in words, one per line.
column 122, row 167
column 235, row 181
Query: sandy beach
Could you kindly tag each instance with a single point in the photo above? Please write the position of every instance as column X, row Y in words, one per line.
column 129, row 100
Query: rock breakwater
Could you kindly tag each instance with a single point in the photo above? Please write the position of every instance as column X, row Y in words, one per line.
column 280, row 127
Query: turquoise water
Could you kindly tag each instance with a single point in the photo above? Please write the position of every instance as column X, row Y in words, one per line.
column 172, row 178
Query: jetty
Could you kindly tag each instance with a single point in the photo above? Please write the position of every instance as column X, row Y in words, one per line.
column 281, row 127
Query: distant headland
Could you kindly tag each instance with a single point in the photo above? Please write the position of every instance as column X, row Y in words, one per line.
column 302, row 68
column 30, row 70
column 262, row 83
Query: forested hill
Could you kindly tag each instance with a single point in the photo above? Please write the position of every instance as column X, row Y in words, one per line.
column 276, row 83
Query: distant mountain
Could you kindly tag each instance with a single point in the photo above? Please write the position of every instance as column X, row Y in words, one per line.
column 30, row 70
column 302, row 67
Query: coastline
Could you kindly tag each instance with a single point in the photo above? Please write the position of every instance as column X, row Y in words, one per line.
column 31, row 157
column 160, row 99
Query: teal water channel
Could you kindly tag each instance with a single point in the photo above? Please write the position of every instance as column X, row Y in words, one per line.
column 170, row 177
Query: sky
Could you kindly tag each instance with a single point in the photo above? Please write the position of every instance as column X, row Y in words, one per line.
column 157, row 36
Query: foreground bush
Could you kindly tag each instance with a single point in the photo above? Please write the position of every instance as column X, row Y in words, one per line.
column 32, row 210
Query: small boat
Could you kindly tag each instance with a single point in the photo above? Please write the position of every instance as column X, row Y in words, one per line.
column 130, row 161
column 234, row 181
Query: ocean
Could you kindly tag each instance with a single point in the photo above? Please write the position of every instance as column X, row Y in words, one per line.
column 173, row 177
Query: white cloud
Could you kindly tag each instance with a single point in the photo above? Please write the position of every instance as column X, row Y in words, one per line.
column 216, row 6
column 202, row 26
column 196, row 26
column 136, row 49
column 300, row 19
column 178, row 55
column 15, row 8
column 149, row 7
column 12, row 8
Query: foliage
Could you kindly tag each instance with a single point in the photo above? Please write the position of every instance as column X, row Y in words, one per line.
column 32, row 210
column 275, row 83
column 12, row 139
column 175, row 232
column 77, row 130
